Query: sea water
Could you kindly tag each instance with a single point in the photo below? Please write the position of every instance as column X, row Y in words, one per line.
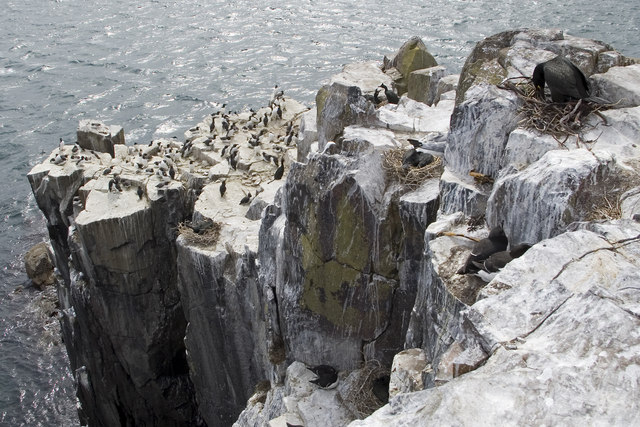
column 157, row 67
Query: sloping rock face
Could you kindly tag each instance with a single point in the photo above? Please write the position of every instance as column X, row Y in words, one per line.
column 346, row 263
column 342, row 229
column 134, row 302
column 532, row 326
column 563, row 340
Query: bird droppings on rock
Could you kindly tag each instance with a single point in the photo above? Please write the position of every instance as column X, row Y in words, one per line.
column 348, row 257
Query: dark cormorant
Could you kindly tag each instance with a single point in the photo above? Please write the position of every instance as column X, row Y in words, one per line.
column 223, row 187
column 376, row 100
column 483, row 249
column 246, row 199
column 327, row 375
column 140, row 192
column 392, row 97
column 566, row 82
column 498, row 260
column 279, row 171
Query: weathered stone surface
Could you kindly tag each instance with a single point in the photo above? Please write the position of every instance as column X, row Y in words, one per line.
column 38, row 263
column 480, row 128
column 446, row 85
column 342, row 102
column 560, row 188
column 330, row 284
column 525, row 147
column 411, row 56
column 422, row 85
column 619, row 85
column 462, row 194
column 415, row 117
column 227, row 351
column 308, row 134
column 406, row 371
column 95, row 135
column 569, row 330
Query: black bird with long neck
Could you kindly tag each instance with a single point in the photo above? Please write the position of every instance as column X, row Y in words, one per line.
column 565, row 80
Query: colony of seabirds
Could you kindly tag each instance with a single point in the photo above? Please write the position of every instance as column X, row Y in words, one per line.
column 244, row 139
column 250, row 146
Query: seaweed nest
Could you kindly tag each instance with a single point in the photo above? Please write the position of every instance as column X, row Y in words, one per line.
column 409, row 176
column 358, row 394
column 202, row 237
column 560, row 120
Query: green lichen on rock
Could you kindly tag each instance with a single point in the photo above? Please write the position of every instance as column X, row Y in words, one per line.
column 413, row 55
column 481, row 71
column 482, row 65
column 352, row 243
column 324, row 288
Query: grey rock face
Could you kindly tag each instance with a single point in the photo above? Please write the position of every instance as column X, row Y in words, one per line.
column 95, row 135
column 567, row 330
column 423, row 84
column 38, row 263
column 226, row 337
column 562, row 187
column 346, row 267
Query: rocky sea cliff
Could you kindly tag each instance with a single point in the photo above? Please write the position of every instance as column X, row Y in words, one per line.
column 186, row 304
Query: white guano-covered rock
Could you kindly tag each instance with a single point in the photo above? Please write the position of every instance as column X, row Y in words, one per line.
column 565, row 340
column 540, row 201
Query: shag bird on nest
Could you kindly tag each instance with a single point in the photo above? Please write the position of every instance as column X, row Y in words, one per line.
column 566, row 82
column 496, row 242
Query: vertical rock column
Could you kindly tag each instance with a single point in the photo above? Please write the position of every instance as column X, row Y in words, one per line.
column 122, row 320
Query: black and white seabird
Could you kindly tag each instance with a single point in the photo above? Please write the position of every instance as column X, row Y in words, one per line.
column 280, row 171
column 392, row 97
column 140, row 192
column 246, row 199
column 223, row 187
column 566, row 82
column 61, row 145
column 496, row 242
column 327, row 376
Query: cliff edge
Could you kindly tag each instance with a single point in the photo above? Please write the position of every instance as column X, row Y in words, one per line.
column 201, row 279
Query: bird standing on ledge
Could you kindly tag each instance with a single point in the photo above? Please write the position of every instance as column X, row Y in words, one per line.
column 392, row 97
column 566, row 82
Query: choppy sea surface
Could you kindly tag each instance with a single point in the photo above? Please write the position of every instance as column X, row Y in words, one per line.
column 156, row 67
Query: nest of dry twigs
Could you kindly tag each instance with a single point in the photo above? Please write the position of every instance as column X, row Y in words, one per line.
column 208, row 237
column 358, row 395
column 411, row 176
column 560, row 120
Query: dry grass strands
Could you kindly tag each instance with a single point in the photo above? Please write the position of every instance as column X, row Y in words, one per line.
column 560, row 120
column 412, row 177
column 206, row 238
column 359, row 395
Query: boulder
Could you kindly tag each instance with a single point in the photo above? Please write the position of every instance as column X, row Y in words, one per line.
column 411, row 56
column 342, row 102
column 38, row 263
column 406, row 371
column 423, row 84
column 95, row 135
column 619, row 85
column 446, row 84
